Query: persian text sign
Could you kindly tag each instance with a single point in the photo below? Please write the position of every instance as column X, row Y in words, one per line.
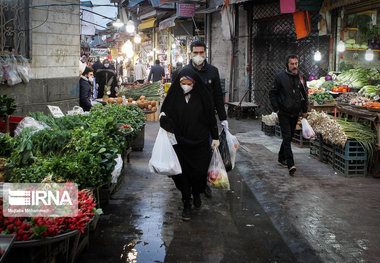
column 185, row 10
column 35, row 200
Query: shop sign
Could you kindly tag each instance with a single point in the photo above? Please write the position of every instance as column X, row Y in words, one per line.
column 147, row 45
column 185, row 10
column 170, row 22
column 101, row 52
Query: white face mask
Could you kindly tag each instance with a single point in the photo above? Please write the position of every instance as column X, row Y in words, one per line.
column 106, row 65
column 198, row 60
column 91, row 79
column 186, row 88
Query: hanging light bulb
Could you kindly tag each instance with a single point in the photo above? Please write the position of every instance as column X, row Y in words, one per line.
column 341, row 46
column 117, row 23
column 369, row 55
column 317, row 56
column 130, row 26
column 151, row 53
column 137, row 39
column 174, row 46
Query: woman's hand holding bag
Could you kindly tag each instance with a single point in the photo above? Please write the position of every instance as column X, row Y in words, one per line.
column 164, row 159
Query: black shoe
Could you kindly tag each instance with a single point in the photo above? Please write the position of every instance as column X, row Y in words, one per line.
column 282, row 163
column 186, row 213
column 197, row 201
column 292, row 170
column 208, row 192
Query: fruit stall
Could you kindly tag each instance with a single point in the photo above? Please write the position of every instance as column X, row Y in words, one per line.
column 86, row 149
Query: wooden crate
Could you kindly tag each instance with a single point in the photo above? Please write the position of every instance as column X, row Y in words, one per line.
column 152, row 116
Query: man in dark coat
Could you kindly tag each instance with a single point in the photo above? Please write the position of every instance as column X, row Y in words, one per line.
column 156, row 72
column 188, row 112
column 106, row 77
column 210, row 76
column 288, row 98
column 97, row 65
column 85, row 89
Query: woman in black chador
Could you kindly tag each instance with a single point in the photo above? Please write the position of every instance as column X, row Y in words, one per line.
column 188, row 112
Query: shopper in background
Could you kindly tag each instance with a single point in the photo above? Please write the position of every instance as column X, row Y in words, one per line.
column 85, row 88
column 288, row 98
column 82, row 65
column 97, row 65
column 188, row 112
column 140, row 72
column 157, row 72
column 106, row 77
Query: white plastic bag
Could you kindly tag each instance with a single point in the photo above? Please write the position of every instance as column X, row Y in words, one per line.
column 233, row 145
column 217, row 175
column 307, row 131
column 117, row 170
column 24, row 70
column 13, row 77
column 164, row 159
column 29, row 122
column 75, row 111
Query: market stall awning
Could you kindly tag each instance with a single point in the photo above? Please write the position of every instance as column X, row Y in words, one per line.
column 133, row 3
column 148, row 23
column 332, row 4
column 167, row 23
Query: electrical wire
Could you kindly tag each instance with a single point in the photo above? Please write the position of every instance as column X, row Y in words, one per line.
column 47, row 17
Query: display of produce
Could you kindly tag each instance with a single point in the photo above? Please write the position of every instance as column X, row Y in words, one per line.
column 152, row 89
column 321, row 97
column 360, row 101
column 372, row 105
column 79, row 148
column 370, row 91
column 358, row 77
column 338, row 131
column 329, row 129
column 346, row 97
column 341, row 89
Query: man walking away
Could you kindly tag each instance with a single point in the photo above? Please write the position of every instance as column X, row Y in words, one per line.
column 288, row 98
column 140, row 72
column 157, row 72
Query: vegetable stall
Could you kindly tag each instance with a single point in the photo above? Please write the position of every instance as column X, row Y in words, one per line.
column 83, row 149
column 351, row 99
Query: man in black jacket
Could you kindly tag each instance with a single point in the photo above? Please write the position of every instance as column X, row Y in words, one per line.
column 156, row 72
column 210, row 76
column 288, row 98
column 85, row 89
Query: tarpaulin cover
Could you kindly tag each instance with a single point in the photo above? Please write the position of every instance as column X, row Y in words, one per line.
column 302, row 23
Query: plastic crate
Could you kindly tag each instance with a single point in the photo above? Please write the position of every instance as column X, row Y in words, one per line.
column 13, row 122
column 269, row 130
column 353, row 151
column 350, row 167
column 277, row 131
column 300, row 140
column 328, row 153
column 316, row 147
column 262, row 126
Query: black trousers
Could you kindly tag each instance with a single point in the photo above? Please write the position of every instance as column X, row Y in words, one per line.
column 288, row 125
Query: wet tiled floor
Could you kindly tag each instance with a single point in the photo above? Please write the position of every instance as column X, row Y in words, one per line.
column 143, row 222
column 317, row 216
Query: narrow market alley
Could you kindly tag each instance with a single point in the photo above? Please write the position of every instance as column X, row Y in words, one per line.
column 317, row 216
